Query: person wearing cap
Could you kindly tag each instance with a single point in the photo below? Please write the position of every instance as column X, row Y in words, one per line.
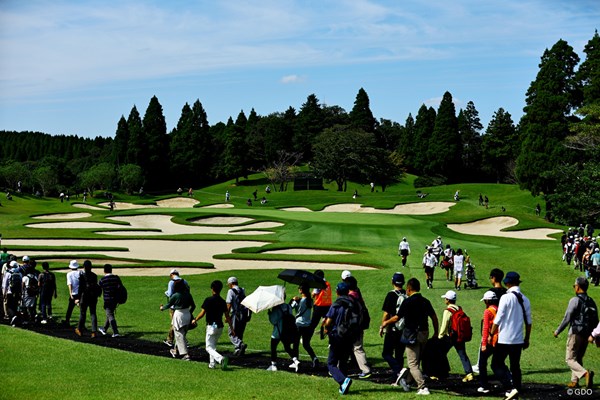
column 579, row 332
column 444, row 334
column 11, row 288
column 393, row 348
column 429, row 263
column 174, row 277
column 514, row 311
column 359, row 350
column 73, row 285
column 322, row 302
column 437, row 248
column 404, row 250
column 183, row 306
column 488, row 342
column 89, row 291
column 30, row 290
column 339, row 349
column 416, row 310
column 237, row 327
column 595, row 262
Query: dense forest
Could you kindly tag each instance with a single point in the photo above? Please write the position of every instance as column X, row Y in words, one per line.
column 553, row 150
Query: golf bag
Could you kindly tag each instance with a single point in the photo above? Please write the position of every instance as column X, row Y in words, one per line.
column 471, row 281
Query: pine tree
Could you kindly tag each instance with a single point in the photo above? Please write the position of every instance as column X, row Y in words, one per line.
column 469, row 128
column 551, row 97
column 309, row 123
column 155, row 133
column 500, row 147
column 589, row 71
column 361, row 116
column 181, row 149
column 121, row 142
column 445, row 147
column 424, row 124
column 136, row 145
column 203, row 159
column 405, row 143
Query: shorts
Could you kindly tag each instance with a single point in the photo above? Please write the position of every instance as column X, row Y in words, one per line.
column 428, row 270
column 404, row 252
column 458, row 274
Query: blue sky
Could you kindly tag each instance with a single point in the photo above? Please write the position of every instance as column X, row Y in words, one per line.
column 74, row 67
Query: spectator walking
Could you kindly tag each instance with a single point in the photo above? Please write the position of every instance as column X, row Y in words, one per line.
column 73, row 285
column 303, row 305
column 174, row 277
column 582, row 318
column 429, row 263
column 496, row 277
column 393, row 348
column 415, row 310
column 89, row 291
column 359, row 350
column 12, row 287
column 340, row 346
column 284, row 331
column 450, row 338
column 183, row 306
column 514, row 311
column 488, row 341
column 458, row 265
column 214, row 308
column 404, row 250
column 322, row 302
column 30, row 290
column 47, row 282
column 238, row 315
column 110, row 285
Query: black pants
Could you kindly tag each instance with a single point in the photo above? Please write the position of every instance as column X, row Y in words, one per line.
column 287, row 345
column 70, row 308
column 502, row 372
column 393, row 351
column 306, row 333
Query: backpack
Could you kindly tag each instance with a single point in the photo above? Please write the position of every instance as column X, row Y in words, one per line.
column 15, row 283
column 289, row 330
column 32, row 287
column 587, row 318
column 460, row 329
column 240, row 311
column 349, row 324
column 121, row 293
column 89, row 287
column 399, row 325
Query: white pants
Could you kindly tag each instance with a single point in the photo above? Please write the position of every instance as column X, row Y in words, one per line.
column 212, row 337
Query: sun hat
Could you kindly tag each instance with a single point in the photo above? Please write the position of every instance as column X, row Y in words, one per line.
column 489, row 295
column 512, row 278
column 450, row 295
column 174, row 272
column 14, row 264
column 73, row 264
column 232, row 280
column 25, row 258
column 398, row 279
column 346, row 274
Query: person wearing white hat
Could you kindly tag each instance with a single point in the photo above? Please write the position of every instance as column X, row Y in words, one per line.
column 174, row 276
column 73, row 284
column 404, row 250
column 450, row 338
column 346, row 274
column 239, row 315
column 488, row 342
column 11, row 288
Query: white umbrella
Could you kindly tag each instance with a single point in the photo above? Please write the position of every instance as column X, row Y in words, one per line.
column 264, row 297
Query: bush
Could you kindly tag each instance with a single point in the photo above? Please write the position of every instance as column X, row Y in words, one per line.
column 426, row 181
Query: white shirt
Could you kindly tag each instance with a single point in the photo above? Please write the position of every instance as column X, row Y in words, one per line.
column 458, row 262
column 509, row 317
column 73, row 280
column 404, row 245
column 429, row 260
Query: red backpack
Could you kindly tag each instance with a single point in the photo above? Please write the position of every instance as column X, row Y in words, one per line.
column 460, row 329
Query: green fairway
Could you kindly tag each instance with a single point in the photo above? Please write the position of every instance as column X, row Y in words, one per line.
column 75, row 370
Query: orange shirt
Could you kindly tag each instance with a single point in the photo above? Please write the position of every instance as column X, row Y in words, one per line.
column 323, row 298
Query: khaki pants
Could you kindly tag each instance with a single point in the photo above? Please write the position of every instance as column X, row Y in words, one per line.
column 576, row 347
column 413, row 358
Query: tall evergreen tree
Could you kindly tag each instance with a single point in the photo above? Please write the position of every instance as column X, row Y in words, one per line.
column 500, row 147
column 202, row 144
column 255, row 142
column 469, row 128
column 361, row 116
column 232, row 163
column 589, row 71
column 405, row 142
column 181, row 150
column 136, row 145
column 445, row 147
column 155, row 132
column 121, row 142
column 309, row 123
column 551, row 97
column 424, row 124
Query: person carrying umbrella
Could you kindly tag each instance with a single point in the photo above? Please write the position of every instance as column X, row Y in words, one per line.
column 285, row 331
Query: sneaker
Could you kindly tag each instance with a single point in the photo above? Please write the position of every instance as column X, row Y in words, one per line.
column 315, row 362
column 237, row 352
column 511, row 394
column 364, row 375
column 186, row 358
column 224, row 363
column 401, row 375
column 211, row 366
column 423, row 392
column 481, row 389
column 116, row 335
column 468, row 377
column 243, row 349
column 475, row 369
column 344, row 387
column 404, row 385
column 294, row 365
column 272, row 368
column 77, row 332
column 173, row 352
column 589, row 379
column 168, row 343
column 44, row 322
column 93, row 335
column 573, row 384
column 102, row 331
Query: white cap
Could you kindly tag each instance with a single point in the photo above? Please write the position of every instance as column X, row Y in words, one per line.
column 73, row 264
column 232, row 280
column 450, row 295
column 14, row 264
column 174, row 272
column 346, row 274
column 489, row 295
column 25, row 258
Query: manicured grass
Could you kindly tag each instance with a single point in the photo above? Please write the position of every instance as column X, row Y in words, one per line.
column 374, row 239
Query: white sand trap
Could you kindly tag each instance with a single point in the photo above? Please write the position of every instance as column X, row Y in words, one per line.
column 494, row 227
column 222, row 221
column 425, row 208
column 300, row 209
column 177, row 202
column 224, row 205
column 174, row 251
column 120, row 205
column 306, row 252
column 163, row 223
column 64, row 216
column 87, row 206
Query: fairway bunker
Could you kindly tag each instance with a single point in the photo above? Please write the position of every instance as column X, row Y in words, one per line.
column 426, row 208
column 494, row 227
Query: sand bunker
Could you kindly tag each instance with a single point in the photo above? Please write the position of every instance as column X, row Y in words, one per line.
column 306, row 252
column 426, row 208
column 222, row 221
column 177, row 202
column 154, row 225
column 175, row 252
column 219, row 206
column 87, row 206
column 494, row 226
column 64, row 216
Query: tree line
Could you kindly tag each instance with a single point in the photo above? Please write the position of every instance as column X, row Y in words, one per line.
column 552, row 150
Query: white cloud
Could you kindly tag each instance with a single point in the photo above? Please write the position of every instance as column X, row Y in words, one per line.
column 292, row 79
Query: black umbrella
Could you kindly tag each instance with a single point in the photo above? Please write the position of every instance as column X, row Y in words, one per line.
column 299, row 277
